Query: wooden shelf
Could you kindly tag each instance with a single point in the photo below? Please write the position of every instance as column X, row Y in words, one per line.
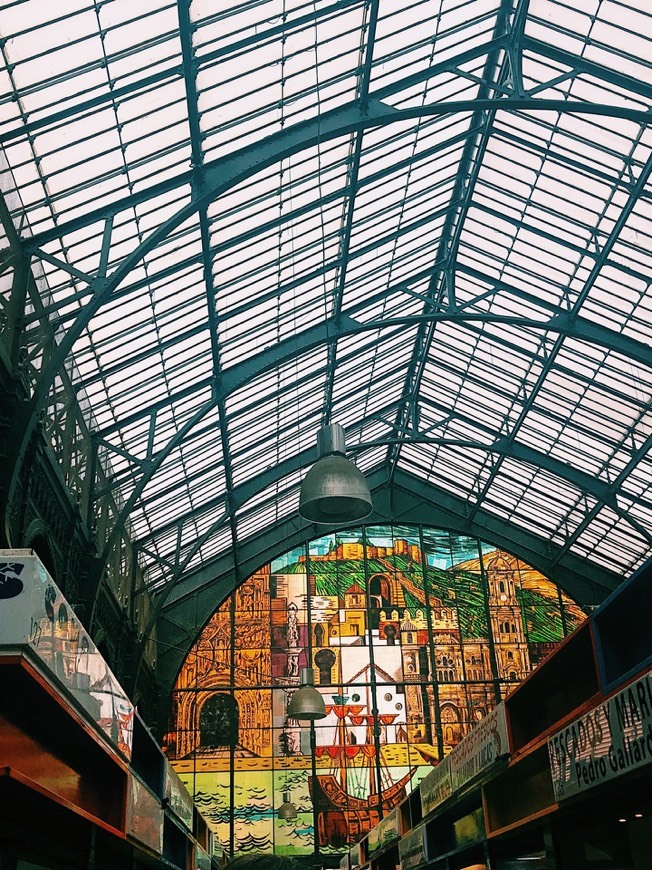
column 623, row 638
column 15, row 788
column 561, row 685
column 147, row 760
column 520, row 792
column 46, row 743
column 63, row 785
column 510, row 809
column 83, row 783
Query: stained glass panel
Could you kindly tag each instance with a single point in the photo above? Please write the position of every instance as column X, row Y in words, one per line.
column 413, row 635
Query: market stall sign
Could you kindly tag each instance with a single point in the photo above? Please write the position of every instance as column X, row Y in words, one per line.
column 436, row 787
column 412, row 850
column 480, row 749
column 612, row 739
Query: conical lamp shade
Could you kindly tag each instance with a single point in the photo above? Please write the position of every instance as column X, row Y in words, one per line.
column 334, row 490
column 306, row 704
column 287, row 810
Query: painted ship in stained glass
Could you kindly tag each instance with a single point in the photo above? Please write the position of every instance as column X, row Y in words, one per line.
column 358, row 790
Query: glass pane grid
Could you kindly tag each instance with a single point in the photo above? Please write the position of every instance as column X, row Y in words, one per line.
column 525, row 234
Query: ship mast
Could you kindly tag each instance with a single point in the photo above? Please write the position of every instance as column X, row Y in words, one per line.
column 373, row 786
column 341, row 711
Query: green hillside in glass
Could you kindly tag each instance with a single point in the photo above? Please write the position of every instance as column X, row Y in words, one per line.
column 542, row 617
column 459, row 589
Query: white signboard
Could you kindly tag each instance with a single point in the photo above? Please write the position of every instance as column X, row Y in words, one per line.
column 412, row 848
column 481, row 748
column 436, row 787
column 34, row 613
column 389, row 828
column 178, row 799
column 144, row 820
column 613, row 738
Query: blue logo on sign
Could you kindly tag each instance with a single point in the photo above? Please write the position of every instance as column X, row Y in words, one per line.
column 10, row 583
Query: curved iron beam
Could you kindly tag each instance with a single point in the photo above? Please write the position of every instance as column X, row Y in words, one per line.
column 267, row 360
column 237, row 376
column 238, row 168
column 411, row 501
column 603, row 493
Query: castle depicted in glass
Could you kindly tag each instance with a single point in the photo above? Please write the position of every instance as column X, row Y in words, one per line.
column 413, row 634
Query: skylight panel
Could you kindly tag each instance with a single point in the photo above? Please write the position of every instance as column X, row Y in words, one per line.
column 69, row 44
column 626, row 377
column 220, row 542
column 379, row 224
column 277, row 501
column 202, row 522
column 368, row 460
column 620, row 38
column 372, row 367
column 391, row 303
column 611, row 541
column 279, row 81
column 617, row 289
column 408, row 39
column 10, row 109
column 638, row 484
column 444, row 463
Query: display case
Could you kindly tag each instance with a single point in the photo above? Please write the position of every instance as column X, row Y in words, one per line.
column 36, row 616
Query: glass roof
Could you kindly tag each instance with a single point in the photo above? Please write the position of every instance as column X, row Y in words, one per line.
column 429, row 222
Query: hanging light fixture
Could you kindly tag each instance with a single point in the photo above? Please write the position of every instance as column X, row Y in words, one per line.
column 334, row 490
column 287, row 810
column 306, row 703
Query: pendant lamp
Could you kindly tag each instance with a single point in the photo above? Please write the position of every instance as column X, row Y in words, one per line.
column 334, row 490
column 287, row 810
column 307, row 703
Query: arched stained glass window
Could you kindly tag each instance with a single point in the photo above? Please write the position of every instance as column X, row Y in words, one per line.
column 413, row 634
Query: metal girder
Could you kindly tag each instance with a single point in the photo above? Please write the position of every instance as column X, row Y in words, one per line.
column 222, row 176
column 570, row 316
column 643, row 450
column 174, row 72
column 352, row 186
column 192, row 100
column 602, row 491
column 226, row 173
column 579, row 327
column 12, row 307
column 185, row 178
column 244, row 237
column 190, row 603
column 239, row 494
column 441, row 289
column 238, row 376
column 595, row 70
